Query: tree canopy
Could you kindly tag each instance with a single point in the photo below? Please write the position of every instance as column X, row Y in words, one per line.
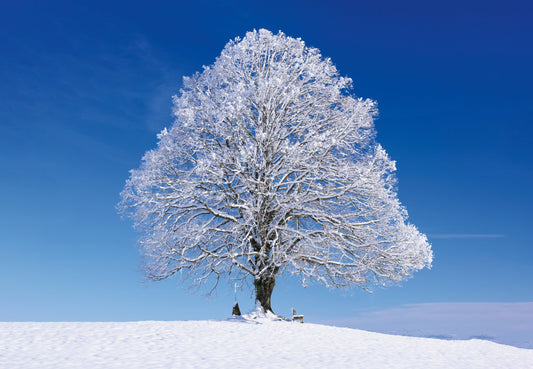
column 271, row 167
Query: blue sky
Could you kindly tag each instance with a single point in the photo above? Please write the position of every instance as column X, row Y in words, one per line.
column 86, row 87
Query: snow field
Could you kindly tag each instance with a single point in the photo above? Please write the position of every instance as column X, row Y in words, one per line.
column 237, row 344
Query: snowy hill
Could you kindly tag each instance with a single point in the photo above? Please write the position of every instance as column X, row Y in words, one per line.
column 237, row 343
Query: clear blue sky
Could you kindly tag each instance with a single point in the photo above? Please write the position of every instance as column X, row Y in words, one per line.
column 86, row 87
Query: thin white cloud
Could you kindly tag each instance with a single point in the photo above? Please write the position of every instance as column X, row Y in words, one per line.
column 167, row 79
column 507, row 323
column 466, row 235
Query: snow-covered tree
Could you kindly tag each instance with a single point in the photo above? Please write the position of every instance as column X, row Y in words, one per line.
column 271, row 167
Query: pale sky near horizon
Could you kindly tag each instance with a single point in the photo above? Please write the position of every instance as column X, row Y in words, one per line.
column 86, row 88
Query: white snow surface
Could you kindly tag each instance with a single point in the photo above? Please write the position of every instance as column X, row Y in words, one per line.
column 246, row 342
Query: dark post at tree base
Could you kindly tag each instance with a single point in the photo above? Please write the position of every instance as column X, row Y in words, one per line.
column 236, row 310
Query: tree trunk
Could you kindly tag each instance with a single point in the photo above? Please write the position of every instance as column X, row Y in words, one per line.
column 263, row 291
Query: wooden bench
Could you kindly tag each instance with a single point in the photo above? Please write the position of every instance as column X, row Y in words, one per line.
column 296, row 317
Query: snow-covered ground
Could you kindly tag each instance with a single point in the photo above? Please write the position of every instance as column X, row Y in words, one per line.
column 237, row 343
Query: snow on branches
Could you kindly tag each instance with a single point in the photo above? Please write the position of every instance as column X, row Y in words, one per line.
column 271, row 166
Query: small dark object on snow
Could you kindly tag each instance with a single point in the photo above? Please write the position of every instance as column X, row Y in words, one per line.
column 236, row 310
column 295, row 317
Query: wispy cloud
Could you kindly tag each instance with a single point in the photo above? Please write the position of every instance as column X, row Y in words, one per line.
column 466, row 235
column 507, row 323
